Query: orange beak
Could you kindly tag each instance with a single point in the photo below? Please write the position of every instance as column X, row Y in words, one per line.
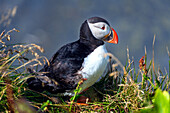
column 112, row 37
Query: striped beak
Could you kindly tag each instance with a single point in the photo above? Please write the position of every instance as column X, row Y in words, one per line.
column 112, row 37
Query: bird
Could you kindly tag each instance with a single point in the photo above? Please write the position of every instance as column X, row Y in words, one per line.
column 84, row 59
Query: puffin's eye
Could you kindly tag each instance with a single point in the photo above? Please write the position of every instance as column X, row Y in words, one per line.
column 103, row 27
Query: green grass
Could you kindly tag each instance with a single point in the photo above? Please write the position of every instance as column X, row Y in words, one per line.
column 124, row 89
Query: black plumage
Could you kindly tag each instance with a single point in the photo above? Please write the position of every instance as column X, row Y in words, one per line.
column 62, row 73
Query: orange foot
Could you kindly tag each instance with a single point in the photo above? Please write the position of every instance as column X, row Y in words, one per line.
column 82, row 100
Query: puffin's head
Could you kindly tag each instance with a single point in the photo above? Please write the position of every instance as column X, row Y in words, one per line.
column 100, row 29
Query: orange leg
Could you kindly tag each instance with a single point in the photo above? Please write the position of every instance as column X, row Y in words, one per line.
column 82, row 100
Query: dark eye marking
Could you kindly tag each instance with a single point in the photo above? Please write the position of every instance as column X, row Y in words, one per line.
column 103, row 27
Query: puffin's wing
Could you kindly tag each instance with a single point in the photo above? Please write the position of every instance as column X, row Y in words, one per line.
column 62, row 72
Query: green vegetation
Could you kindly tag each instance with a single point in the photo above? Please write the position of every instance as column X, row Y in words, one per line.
column 160, row 103
column 125, row 89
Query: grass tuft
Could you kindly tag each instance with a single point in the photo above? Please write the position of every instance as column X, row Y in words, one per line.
column 13, row 62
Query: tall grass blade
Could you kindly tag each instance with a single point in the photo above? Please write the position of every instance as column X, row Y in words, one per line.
column 153, row 63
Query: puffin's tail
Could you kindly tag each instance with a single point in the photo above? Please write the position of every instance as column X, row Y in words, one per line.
column 41, row 82
column 34, row 83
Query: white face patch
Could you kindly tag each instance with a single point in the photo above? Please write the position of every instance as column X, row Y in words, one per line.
column 97, row 31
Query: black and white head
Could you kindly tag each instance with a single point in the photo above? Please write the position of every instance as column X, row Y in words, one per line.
column 98, row 28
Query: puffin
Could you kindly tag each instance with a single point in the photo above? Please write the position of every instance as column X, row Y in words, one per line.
column 85, row 59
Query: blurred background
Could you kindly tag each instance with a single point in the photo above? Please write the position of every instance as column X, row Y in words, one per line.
column 53, row 23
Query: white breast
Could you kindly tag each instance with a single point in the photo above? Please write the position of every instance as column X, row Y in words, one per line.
column 93, row 66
